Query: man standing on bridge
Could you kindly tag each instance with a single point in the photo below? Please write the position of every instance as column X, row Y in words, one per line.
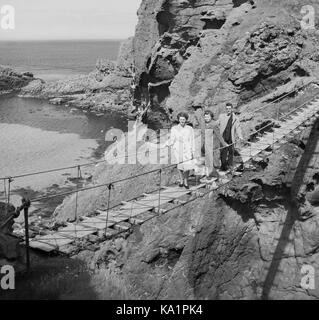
column 231, row 131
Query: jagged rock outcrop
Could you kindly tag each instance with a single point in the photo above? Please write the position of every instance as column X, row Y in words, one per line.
column 248, row 241
column 107, row 87
column 9, row 245
column 211, row 52
column 251, row 239
column 11, row 80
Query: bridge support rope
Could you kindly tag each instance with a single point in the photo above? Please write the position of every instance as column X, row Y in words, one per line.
column 110, row 187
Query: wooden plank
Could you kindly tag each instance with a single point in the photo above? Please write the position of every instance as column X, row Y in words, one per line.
column 102, row 212
column 154, row 196
column 246, row 158
column 145, row 216
column 160, row 210
column 50, row 243
column 101, row 218
column 256, row 151
column 175, row 192
column 154, row 202
column 99, row 224
column 137, row 220
column 136, row 211
column 43, row 246
column 259, row 146
column 292, row 123
column 128, row 212
column 122, row 226
column 68, row 249
column 195, row 188
column 119, row 218
column 76, row 231
column 110, row 233
column 172, row 188
column 133, row 205
column 180, row 202
column 284, row 130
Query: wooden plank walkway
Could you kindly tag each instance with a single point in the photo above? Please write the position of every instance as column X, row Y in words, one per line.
column 145, row 208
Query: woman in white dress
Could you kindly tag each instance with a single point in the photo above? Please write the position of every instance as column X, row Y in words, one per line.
column 182, row 141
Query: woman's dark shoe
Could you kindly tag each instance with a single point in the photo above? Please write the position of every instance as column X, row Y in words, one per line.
column 181, row 185
column 186, row 186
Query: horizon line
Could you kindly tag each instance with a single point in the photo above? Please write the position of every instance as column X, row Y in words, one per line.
column 70, row 39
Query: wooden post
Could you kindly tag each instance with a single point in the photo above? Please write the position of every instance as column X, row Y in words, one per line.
column 26, row 205
column 110, row 187
column 159, row 192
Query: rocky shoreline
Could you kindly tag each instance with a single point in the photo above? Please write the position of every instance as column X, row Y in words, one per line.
column 11, row 81
column 98, row 91
column 106, row 88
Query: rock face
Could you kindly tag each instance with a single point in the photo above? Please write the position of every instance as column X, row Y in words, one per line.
column 211, row 52
column 251, row 239
column 11, row 80
column 9, row 245
column 107, row 87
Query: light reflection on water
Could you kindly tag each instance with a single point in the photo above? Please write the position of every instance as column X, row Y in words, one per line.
column 36, row 136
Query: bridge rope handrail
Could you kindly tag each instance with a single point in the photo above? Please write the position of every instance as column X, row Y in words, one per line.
column 281, row 97
column 175, row 207
column 127, row 156
column 167, row 167
column 68, row 168
column 172, row 165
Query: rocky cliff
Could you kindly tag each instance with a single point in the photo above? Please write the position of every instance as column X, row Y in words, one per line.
column 251, row 239
column 106, row 88
column 211, row 52
column 11, row 80
column 248, row 240
column 10, row 252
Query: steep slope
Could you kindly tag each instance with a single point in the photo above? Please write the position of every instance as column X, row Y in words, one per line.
column 210, row 52
column 11, row 80
column 251, row 239
column 106, row 88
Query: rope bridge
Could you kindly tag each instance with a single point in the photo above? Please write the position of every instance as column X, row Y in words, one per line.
column 113, row 221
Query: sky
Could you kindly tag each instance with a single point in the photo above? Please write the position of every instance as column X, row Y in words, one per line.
column 71, row 19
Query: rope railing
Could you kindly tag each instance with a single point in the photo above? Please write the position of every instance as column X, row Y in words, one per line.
column 10, row 179
column 181, row 204
column 127, row 156
column 159, row 210
column 205, row 193
column 70, row 167
column 160, row 170
column 269, row 125
column 281, row 97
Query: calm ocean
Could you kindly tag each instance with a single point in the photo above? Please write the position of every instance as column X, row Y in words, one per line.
column 53, row 60
column 38, row 136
